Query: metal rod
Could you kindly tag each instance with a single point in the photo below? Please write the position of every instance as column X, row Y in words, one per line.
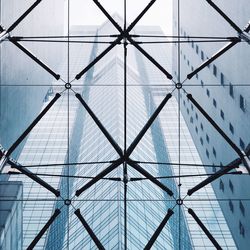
column 204, row 229
column 89, row 230
column 221, row 172
column 147, row 125
column 150, row 177
column 98, row 58
column 214, row 124
column 214, row 57
column 28, row 53
column 229, row 20
column 150, row 58
column 108, row 16
column 138, row 18
column 32, row 125
column 158, row 230
column 43, row 230
column 26, row 13
column 99, row 176
column 100, row 126
column 35, row 178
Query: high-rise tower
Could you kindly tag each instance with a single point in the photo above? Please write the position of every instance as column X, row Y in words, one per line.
column 67, row 149
column 217, row 36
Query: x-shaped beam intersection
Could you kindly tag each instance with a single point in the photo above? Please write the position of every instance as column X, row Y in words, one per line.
column 124, row 157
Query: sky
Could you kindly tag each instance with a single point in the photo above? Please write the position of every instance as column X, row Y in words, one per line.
column 85, row 12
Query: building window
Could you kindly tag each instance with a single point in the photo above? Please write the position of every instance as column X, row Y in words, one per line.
column 242, row 208
column 187, row 110
column 202, row 83
column 222, row 185
column 221, row 165
column 231, row 90
column 242, row 229
column 197, row 49
column 207, row 153
column 184, row 57
column 207, row 138
column 242, row 144
column 214, row 152
column 214, row 169
column 191, row 119
column 222, row 115
column 231, row 128
column 231, row 186
column 242, row 103
column 201, row 140
column 208, row 64
column 201, row 126
column 202, row 55
column 214, row 103
column 208, row 93
column 192, row 106
column 196, row 116
column 192, row 44
column 214, row 70
column 188, row 62
column 222, row 80
column 196, row 129
column 184, row 102
column 231, row 206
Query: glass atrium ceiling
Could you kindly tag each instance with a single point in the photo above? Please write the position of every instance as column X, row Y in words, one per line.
column 124, row 125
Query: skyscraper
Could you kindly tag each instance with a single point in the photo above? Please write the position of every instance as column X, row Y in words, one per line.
column 67, row 149
column 222, row 89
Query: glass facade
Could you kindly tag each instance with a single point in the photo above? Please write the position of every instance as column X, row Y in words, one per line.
column 67, row 149
column 11, row 210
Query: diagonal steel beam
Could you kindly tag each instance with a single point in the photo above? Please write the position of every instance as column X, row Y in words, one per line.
column 28, row 53
column 123, row 34
column 110, row 18
column 150, row 58
column 44, row 229
column 147, row 125
column 26, row 13
column 214, row 124
column 229, row 20
column 204, row 229
column 32, row 125
column 100, row 176
column 214, row 57
column 99, row 124
column 89, row 230
column 158, row 230
column 142, row 171
column 35, row 178
column 218, row 174
column 138, row 18
column 98, row 58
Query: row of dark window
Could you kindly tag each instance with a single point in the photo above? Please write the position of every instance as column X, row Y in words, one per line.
column 231, row 128
column 222, row 114
column 241, row 206
column 221, row 76
column 231, row 207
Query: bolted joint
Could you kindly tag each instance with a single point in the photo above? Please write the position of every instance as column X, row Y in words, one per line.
column 125, row 178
